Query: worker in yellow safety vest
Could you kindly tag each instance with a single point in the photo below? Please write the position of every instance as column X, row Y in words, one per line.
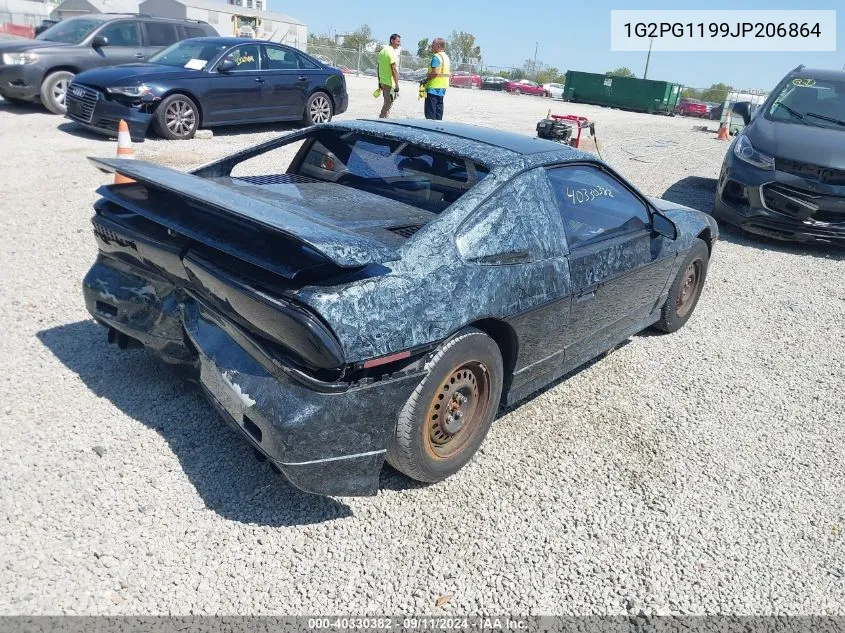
column 437, row 80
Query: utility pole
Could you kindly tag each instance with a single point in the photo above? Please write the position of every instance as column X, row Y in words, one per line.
column 534, row 67
column 648, row 57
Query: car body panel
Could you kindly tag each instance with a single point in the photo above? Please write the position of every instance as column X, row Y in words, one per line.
column 497, row 258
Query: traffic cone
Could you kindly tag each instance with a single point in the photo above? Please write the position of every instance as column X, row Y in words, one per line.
column 725, row 128
column 124, row 150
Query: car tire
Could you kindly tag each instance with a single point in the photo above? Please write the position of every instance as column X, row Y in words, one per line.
column 517, row 91
column 465, row 376
column 54, row 89
column 318, row 109
column 686, row 289
column 177, row 118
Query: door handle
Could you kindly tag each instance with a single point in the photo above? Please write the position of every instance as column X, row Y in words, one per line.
column 259, row 80
column 139, row 55
column 302, row 79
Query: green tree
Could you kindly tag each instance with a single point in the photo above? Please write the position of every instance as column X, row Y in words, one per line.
column 716, row 92
column 423, row 47
column 624, row 71
column 549, row 75
column 462, row 47
column 359, row 38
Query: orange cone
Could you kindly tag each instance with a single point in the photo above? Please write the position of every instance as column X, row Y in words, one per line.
column 124, row 150
column 725, row 128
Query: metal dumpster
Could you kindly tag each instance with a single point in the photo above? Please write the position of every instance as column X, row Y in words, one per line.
column 627, row 93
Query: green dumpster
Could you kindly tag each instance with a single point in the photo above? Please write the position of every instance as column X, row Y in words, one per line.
column 627, row 93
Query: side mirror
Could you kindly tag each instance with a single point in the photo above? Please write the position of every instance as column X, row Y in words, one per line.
column 99, row 41
column 743, row 109
column 664, row 226
column 226, row 66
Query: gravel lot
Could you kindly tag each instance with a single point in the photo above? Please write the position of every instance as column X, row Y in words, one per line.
column 699, row 472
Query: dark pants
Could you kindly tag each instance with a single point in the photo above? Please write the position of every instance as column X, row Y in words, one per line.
column 433, row 107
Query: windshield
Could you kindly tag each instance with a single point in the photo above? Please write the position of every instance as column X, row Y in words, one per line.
column 71, row 31
column 193, row 54
column 398, row 170
column 807, row 101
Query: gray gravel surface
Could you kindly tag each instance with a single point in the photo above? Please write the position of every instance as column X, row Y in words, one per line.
column 699, row 472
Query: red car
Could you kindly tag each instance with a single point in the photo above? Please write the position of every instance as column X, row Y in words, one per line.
column 524, row 86
column 691, row 107
column 461, row 79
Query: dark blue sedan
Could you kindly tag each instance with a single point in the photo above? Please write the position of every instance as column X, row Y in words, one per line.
column 204, row 82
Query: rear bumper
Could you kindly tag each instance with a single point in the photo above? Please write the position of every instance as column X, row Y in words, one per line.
column 741, row 200
column 342, row 103
column 21, row 82
column 107, row 115
column 326, row 438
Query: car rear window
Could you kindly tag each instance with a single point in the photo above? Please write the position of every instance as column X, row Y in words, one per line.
column 398, row 170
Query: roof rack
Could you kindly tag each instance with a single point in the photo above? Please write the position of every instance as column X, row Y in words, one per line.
column 799, row 68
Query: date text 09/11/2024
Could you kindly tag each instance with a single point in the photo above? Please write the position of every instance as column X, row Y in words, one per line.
column 722, row 29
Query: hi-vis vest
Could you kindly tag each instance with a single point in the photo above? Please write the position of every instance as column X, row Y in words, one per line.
column 442, row 79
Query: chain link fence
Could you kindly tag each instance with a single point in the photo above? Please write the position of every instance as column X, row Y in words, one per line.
column 411, row 67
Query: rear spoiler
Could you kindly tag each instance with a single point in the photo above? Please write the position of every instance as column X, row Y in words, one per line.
column 341, row 247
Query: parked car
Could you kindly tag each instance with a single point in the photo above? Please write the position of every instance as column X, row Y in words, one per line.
column 345, row 70
column 205, row 82
column 493, row 83
column 43, row 68
column 710, row 105
column 461, row 79
column 691, row 107
column 335, row 336
column 524, row 86
column 553, row 90
column 784, row 174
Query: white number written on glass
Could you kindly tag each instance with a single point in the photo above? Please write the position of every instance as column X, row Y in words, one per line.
column 587, row 194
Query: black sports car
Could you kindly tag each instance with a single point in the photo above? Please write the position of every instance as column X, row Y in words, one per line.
column 204, row 82
column 493, row 83
column 384, row 294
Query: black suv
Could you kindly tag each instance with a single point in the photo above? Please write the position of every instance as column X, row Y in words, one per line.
column 42, row 69
column 784, row 174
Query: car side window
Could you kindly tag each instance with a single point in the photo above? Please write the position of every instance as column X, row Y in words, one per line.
column 246, row 57
column 122, row 33
column 161, row 34
column 520, row 223
column 594, row 205
column 281, row 59
column 306, row 64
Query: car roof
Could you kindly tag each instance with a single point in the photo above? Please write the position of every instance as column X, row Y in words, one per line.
column 231, row 41
column 105, row 17
column 825, row 74
column 517, row 143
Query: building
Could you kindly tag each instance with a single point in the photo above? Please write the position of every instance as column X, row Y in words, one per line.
column 71, row 8
column 232, row 19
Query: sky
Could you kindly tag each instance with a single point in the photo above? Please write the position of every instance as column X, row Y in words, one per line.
column 568, row 35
